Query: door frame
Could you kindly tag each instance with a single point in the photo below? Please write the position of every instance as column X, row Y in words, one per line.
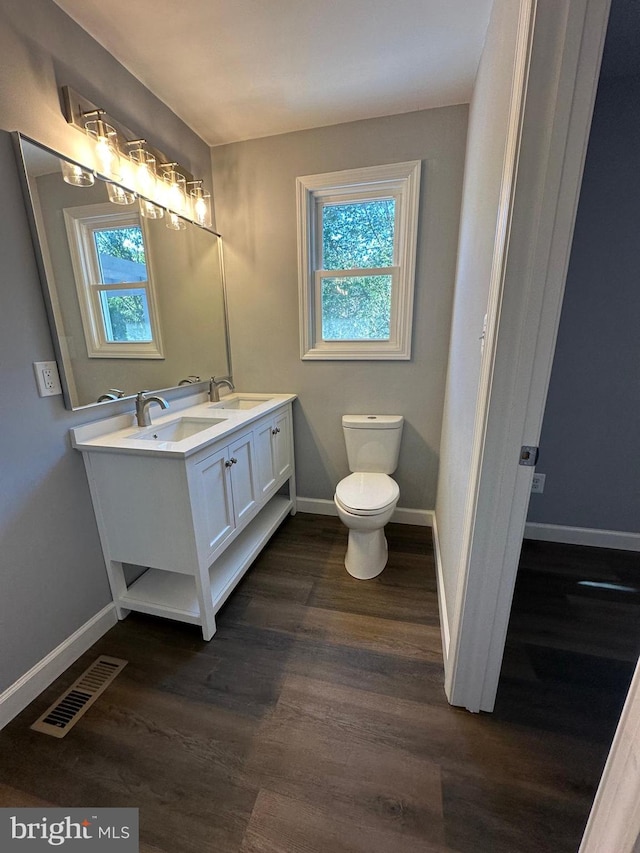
column 558, row 95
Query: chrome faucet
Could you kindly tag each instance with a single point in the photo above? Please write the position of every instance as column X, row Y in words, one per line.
column 214, row 388
column 143, row 402
column 111, row 394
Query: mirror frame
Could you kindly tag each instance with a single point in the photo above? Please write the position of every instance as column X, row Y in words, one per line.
column 46, row 286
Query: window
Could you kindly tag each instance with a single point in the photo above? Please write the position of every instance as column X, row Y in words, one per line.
column 357, row 233
column 115, row 289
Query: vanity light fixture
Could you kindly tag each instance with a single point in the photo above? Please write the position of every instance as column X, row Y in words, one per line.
column 146, row 173
column 75, row 175
column 200, row 203
column 106, row 143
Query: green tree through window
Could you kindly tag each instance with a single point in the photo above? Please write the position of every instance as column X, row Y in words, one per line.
column 357, row 235
column 121, row 257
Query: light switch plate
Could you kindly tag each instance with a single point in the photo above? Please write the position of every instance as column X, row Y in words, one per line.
column 47, row 378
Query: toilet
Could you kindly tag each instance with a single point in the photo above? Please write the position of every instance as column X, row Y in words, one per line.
column 366, row 499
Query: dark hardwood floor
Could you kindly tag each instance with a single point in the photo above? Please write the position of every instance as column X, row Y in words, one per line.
column 315, row 720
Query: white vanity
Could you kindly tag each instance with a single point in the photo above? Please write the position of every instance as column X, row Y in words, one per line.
column 192, row 498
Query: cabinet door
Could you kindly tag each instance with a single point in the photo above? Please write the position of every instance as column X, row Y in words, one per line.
column 243, row 477
column 265, row 475
column 215, row 509
column 282, row 445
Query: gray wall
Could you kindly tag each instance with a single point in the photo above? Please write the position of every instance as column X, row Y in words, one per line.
column 256, row 213
column 589, row 442
column 51, row 568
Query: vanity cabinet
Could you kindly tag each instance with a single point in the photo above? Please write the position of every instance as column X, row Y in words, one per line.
column 194, row 522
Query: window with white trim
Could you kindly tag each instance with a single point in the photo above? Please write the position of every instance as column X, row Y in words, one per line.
column 117, row 300
column 357, row 234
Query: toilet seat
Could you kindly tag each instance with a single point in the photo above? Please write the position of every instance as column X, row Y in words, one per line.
column 365, row 493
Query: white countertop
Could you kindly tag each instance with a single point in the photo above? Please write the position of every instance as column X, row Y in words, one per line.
column 120, row 434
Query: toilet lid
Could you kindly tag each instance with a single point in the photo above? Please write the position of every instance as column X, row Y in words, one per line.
column 367, row 493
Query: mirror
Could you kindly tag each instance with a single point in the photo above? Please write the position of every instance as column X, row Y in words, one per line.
column 133, row 304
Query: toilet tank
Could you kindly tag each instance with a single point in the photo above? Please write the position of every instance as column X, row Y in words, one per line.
column 373, row 442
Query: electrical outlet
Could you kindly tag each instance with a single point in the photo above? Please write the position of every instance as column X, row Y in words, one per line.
column 537, row 484
column 47, row 378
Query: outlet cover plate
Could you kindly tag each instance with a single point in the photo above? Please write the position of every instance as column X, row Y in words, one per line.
column 537, row 484
column 47, row 378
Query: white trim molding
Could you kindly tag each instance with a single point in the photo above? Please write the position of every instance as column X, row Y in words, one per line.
column 23, row 691
column 442, row 598
column 402, row 515
column 619, row 539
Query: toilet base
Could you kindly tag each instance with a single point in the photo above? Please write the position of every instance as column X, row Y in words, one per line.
column 367, row 553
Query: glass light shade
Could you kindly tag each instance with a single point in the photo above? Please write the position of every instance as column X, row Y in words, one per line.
column 118, row 194
column 201, row 206
column 106, row 148
column 76, row 175
column 150, row 210
column 144, row 165
column 175, row 195
column 175, row 222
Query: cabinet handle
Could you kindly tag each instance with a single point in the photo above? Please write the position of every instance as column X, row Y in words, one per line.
column 228, row 463
column 275, row 431
column 233, row 460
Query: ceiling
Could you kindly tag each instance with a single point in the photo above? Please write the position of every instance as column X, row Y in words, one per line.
column 242, row 69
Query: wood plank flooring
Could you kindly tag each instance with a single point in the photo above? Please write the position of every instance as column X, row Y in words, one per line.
column 315, row 722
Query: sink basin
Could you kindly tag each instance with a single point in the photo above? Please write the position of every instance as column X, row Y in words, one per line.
column 179, row 429
column 241, row 402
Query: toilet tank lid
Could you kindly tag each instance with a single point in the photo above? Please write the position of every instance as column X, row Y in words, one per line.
column 372, row 421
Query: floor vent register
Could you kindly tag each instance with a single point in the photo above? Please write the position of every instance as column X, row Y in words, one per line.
column 65, row 712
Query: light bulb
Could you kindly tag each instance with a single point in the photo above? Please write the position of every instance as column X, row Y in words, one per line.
column 107, row 155
column 150, row 210
column 201, row 203
column 174, row 222
column 174, row 195
column 144, row 165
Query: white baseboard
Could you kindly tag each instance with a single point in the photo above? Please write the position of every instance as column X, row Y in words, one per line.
column 621, row 540
column 442, row 599
column 320, row 506
column 15, row 699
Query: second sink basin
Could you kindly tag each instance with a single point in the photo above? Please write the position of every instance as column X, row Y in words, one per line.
column 179, row 429
column 241, row 401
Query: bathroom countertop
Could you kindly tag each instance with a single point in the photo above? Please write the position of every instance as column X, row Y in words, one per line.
column 120, row 434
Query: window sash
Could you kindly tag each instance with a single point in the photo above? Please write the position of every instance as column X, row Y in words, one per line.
column 352, row 198
column 320, row 275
